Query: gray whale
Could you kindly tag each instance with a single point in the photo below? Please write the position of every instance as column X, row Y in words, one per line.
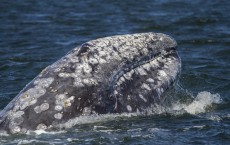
column 124, row 73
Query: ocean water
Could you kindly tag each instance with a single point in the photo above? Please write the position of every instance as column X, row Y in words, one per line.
column 34, row 34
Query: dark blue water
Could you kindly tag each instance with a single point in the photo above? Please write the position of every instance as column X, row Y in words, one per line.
column 34, row 34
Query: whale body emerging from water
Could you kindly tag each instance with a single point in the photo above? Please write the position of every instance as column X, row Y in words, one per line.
column 124, row 73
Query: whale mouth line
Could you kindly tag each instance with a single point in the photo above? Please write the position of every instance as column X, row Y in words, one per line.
column 128, row 67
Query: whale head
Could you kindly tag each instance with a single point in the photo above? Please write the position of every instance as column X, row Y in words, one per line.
column 123, row 73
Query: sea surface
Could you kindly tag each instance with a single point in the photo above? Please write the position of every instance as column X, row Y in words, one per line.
column 36, row 33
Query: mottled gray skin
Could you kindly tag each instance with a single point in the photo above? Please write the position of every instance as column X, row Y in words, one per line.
column 125, row 73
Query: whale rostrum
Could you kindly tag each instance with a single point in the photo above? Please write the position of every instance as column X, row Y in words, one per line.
column 123, row 73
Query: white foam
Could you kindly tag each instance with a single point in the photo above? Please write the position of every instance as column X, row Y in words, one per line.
column 93, row 119
column 194, row 127
column 214, row 117
column 41, row 131
column 200, row 103
column 3, row 133
column 35, row 141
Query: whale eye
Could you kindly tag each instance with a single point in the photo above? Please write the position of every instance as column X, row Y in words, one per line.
column 84, row 48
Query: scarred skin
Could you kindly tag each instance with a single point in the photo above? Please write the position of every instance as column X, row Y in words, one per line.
column 124, row 73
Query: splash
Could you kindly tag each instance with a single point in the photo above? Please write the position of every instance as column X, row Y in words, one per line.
column 200, row 104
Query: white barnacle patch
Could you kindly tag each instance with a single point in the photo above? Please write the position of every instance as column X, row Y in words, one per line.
column 162, row 90
column 129, row 108
column 116, row 56
column 73, row 59
column 72, row 98
column 129, row 97
column 145, row 50
column 15, row 117
column 24, row 96
column 102, row 53
column 89, row 81
column 58, row 108
column 78, row 82
column 122, row 79
column 60, row 97
column 63, row 101
column 150, row 80
column 15, row 121
column 86, row 111
column 67, row 103
column 166, row 66
column 16, row 107
column 58, row 115
column 141, row 71
column 10, row 113
column 145, row 86
column 30, row 97
column 115, row 92
column 39, row 90
column 64, row 75
column 87, row 68
column 147, row 66
column 57, row 69
column 84, row 58
column 143, row 98
column 118, row 83
column 108, row 58
column 53, row 90
column 41, row 126
column 33, row 101
column 101, row 60
column 15, row 129
column 93, row 61
column 44, row 82
column 18, row 114
column 44, row 106
column 161, row 38
column 154, row 63
column 169, row 59
column 128, row 75
column 79, row 68
column 24, row 105
column 37, row 109
column 162, row 73
column 100, row 43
